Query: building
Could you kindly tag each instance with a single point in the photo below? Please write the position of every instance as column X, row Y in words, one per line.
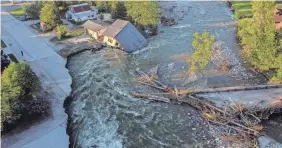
column 122, row 34
column 278, row 18
column 95, row 28
column 81, row 12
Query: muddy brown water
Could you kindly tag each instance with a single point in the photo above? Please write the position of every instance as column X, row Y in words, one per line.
column 103, row 114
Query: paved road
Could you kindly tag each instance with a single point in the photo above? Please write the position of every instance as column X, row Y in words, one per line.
column 50, row 68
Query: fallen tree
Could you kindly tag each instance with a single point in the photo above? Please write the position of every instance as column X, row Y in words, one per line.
column 244, row 124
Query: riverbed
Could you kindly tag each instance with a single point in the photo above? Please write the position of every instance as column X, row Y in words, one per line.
column 103, row 114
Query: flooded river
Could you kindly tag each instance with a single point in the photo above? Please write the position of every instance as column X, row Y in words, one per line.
column 104, row 115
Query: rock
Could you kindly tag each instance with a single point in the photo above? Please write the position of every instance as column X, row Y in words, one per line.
column 168, row 21
column 193, row 129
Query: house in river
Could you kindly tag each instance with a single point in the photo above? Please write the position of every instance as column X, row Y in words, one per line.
column 95, row 28
column 122, row 34
column 81, row 12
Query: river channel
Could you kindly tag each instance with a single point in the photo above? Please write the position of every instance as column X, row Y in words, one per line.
column 103, row 114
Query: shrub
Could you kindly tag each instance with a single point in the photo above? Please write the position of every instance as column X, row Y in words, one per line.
column 101, row 16
column 19, row 83
column 62, row 31
column 4, row 62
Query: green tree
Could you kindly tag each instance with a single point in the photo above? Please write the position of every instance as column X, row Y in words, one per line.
column 203, row 52
column 33, row 10
column 264, row 50
column 18, row 80
column 143, row 12
column 118, row 10
column 277, row 78
column 258, row 35
column 49, row 14
column 62, row 31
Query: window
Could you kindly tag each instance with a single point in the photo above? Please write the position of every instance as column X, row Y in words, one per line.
column 110, row 40
column 116, row 43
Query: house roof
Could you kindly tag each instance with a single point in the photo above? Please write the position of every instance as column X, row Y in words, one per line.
column 94, row 25
column 278, row 15
column 80, row 8
column 115, row 28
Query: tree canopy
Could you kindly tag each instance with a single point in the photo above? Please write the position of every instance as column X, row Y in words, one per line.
column 203, row 52
column 17, row 80
column 50, row 14
column 143, row 12
column 259, row 39
column 33, row 10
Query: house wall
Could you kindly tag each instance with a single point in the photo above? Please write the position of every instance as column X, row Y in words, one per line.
column 131, row 39
column 106, row 40
column 95, row 34
column 92, row 33
column 83, row 16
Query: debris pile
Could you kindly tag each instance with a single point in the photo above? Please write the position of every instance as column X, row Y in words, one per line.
column 243, row 124
column 168, row 21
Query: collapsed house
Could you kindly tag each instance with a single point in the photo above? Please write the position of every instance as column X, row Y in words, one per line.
column 121, row 34
column 95, row 28
column 81, row 12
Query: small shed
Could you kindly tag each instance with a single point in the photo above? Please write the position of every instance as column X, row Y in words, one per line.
column 95, row 28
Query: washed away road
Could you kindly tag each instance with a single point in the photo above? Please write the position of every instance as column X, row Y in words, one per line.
column 54, row 77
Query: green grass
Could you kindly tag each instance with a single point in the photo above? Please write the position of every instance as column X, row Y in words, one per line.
column 76, row 32
column 17, row 12
column 71, row 34
column 3, row 45
column 243, row 9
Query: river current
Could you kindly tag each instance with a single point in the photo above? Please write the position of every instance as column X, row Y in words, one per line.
column 103, row 114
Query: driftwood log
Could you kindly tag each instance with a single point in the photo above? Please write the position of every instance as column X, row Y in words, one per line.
column 244, row 124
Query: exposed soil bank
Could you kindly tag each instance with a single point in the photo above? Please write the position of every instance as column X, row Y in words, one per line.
column 102, row 114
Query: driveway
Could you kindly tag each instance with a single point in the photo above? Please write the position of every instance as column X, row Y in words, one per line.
column 54, row 77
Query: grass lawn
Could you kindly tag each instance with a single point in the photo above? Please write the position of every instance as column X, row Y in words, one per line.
column 3, row 45
column 71, row 34
column 17, row 12
column 243, row 9
column 76, row 32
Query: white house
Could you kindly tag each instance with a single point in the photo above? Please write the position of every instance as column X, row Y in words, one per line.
column 81, row 12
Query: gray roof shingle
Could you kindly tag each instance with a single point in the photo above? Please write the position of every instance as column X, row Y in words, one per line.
column 115, row 28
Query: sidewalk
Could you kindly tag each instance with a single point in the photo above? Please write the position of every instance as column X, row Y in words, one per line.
column 54, row 77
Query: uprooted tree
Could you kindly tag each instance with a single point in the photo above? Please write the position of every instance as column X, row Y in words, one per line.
column 203, row 52
column 239, row 124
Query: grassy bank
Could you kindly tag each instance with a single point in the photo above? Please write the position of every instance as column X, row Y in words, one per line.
column 73, row 33
column 17, row 12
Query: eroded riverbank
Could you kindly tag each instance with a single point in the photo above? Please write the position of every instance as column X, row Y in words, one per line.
column 101, row 111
